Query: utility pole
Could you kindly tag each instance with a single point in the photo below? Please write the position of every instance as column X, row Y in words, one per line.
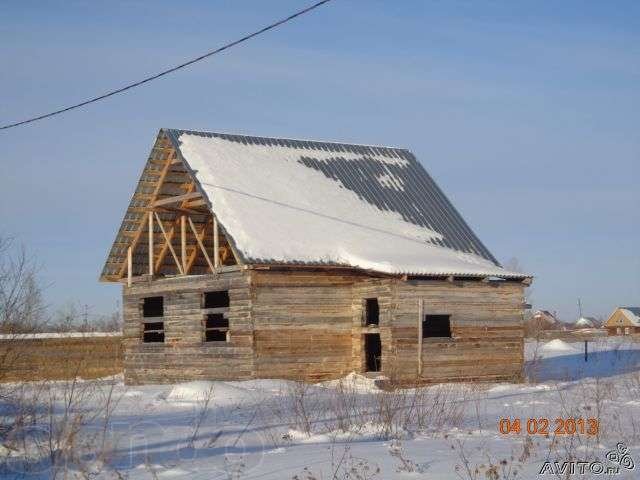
column 579, row 309
column 85, row 318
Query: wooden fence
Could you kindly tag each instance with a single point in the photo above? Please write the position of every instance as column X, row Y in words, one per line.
column 56, row 357
column 591, row 335
column 571, row 335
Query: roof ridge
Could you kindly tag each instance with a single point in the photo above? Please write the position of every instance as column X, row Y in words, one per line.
column 289, row 139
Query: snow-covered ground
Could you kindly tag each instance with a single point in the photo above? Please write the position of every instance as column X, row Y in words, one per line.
column 270, row 429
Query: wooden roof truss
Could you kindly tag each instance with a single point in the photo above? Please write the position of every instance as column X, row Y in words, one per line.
column 168, row 228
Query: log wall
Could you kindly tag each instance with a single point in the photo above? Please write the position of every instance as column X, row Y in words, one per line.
column 184, row 355
column 309, row 326
column 487, row 331
column 302, row 325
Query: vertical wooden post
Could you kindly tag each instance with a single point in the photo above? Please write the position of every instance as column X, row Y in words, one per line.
column 420, row 317
column 216, row 243
column 129, row 266
column 586, row 350
column 151, row 243
column 183, row 242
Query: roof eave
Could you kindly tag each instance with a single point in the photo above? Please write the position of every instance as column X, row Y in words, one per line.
column 266, row 265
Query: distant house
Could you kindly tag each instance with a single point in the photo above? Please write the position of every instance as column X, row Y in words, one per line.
column 541, row 320
column 623, row 321
column 586, row 322
column 545, row 319
column 253, row 257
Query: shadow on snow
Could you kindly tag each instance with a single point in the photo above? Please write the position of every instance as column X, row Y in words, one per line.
column 574, row 367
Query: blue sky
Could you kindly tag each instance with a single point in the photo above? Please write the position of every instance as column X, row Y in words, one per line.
column 525, row 113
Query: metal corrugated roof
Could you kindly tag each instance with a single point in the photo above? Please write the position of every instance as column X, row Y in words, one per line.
column 400, row 185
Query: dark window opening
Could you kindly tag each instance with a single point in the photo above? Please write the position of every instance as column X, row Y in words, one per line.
column 153, row 307
column 436, row 326
column 373, row 352
column 215, row 336
column 153, row 332
column 216, row 328
column 216, row 299
column 217, row 320
column 372, row 312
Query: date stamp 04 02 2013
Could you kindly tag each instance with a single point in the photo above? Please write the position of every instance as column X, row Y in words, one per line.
column 544, row 426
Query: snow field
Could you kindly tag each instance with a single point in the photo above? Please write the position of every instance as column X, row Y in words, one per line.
column 274, row 429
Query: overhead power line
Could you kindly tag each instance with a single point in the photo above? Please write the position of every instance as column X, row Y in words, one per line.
column 170, row 70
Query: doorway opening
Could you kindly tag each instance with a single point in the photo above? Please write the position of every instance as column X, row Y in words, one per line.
column 371, row 312
column 373, row 352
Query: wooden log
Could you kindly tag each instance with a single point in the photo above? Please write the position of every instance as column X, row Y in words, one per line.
column 151, row 243
column 216, row 243
column 176, row 199
column 129, row 267
column 420, row 317
column 183, row 243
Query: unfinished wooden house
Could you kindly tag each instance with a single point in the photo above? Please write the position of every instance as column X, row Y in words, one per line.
column 250, row 257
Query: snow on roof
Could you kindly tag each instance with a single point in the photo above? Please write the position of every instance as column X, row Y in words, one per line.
column 633, row 314
column 317, row 203
column 545, row 315
column 586, row 322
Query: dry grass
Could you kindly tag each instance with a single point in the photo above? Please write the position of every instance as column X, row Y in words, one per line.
column 60, row 358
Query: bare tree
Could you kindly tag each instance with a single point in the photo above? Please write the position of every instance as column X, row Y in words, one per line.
column 66, row 318
column 69, row 433
column 21, row 305
column 21, row 311
column 108, row 323
column 73, row 317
